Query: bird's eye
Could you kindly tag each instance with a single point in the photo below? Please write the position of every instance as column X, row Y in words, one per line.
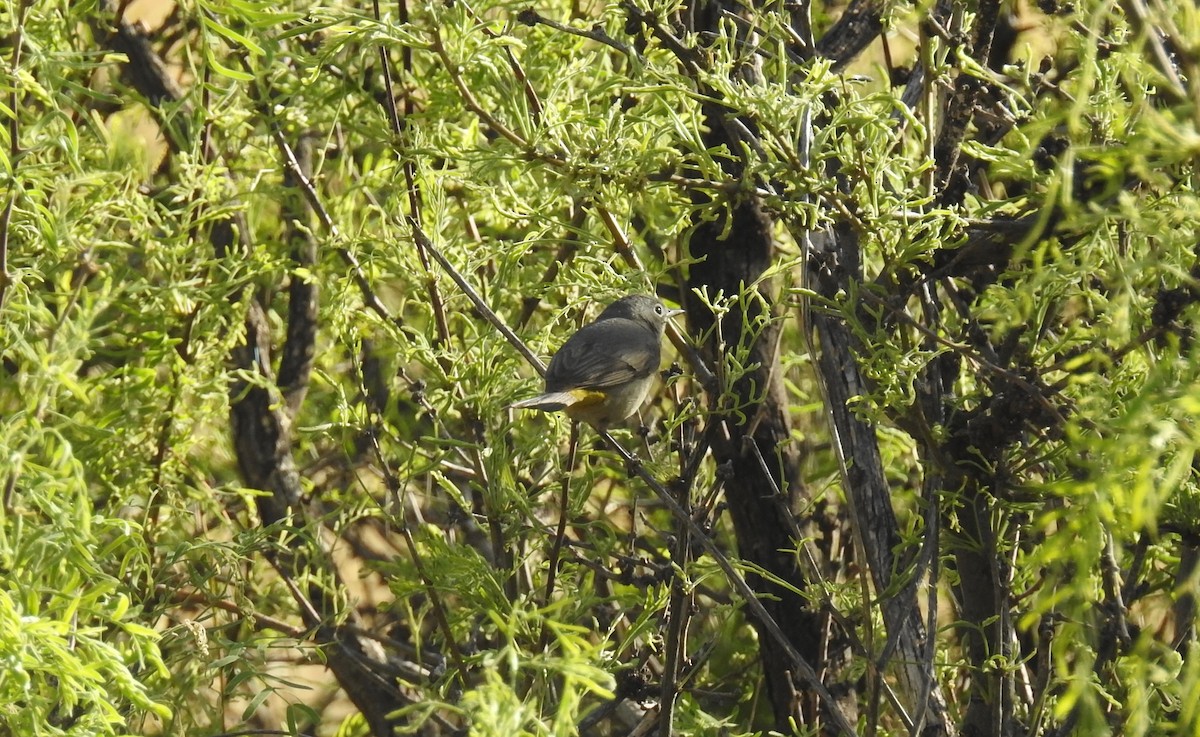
column 658, row 309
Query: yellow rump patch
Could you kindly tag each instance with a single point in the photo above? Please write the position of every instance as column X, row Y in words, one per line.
column 586, row 398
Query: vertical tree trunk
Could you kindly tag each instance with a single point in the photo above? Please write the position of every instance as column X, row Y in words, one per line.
column 763, row 486
column 834, row 263
column 758, row 502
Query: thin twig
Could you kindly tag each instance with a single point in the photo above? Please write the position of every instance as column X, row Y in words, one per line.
column 480, row 111
column 1112, row 582
column 14, row 146
column 967, row 353
column 480, row 304
column 189, row 596
column 1139, row 18
column 678, row 615
column 688, row 57
column 531, row 17
column 389, row 93
column 560, row 534
column 799, row 664
column 435, row 599
column 305, row 184
column 531, row 96
column 408, row 166
column 932, row 483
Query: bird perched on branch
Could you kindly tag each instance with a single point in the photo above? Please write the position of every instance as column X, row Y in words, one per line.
column 603, row 373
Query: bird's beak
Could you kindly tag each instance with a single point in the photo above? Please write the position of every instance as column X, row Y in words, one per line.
column 672, row 313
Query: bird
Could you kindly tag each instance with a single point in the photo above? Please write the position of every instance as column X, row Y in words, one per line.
column 602, row 373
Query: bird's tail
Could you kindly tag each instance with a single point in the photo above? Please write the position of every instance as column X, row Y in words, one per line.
column 550, row 402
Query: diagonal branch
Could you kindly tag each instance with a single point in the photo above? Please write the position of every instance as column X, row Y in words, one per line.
column 749, row 597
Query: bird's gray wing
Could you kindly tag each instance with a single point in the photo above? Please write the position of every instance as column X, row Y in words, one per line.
column 604, row 354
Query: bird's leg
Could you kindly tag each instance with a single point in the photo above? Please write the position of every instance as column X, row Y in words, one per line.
column 643, row 431
column 633, row 465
